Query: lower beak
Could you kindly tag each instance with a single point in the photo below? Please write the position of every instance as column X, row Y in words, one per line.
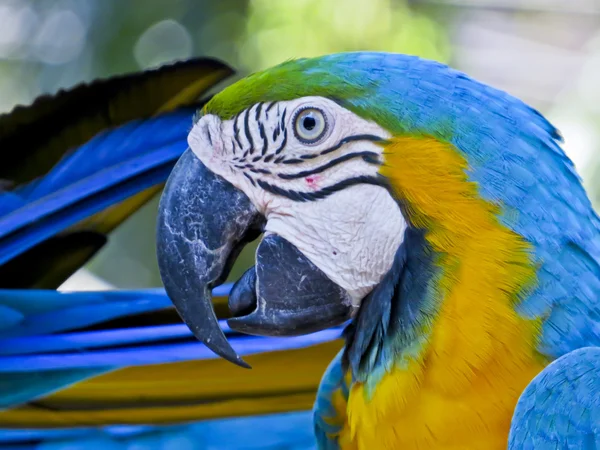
column 203, row 224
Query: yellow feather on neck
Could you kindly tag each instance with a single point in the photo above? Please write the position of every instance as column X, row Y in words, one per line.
column 480, row 355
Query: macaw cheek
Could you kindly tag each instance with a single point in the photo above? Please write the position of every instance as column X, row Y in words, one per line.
column 285, row 294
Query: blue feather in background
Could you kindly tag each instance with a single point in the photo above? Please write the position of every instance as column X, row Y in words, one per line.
column 52, row 342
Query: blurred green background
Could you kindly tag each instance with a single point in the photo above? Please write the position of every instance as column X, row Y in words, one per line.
column 546, row 52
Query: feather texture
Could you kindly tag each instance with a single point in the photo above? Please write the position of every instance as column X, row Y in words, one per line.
column 516, row 239
column 81, row 161
column 131, row 158
column 516, row 248
column 46, row 130
column 561, row 406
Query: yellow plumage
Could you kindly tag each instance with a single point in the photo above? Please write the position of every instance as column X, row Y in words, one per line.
column 461, row 391
column 184, row 391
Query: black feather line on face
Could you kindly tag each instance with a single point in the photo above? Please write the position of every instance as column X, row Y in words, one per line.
column 369, row 157
column 258, row 109
column 263, row 171
column 210, row 142
column 236, row 131
column 247, row 132
column 326, row 191
column 263, row 136
column 250, row 178
column 283, row 120
column 354, row 138
column 283, row 143
column 293, row 161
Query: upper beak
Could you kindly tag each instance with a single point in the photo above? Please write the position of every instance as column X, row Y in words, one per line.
column 203, row 224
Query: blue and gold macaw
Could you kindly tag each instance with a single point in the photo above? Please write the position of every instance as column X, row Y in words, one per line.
column 436, row 214
column 440, row 215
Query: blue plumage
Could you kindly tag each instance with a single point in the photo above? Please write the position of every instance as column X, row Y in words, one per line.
column 326, row 417
column 515, row 157
column 560, row 408
column 108, row 169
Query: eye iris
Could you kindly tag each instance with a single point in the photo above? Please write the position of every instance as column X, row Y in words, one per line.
column 310, row 125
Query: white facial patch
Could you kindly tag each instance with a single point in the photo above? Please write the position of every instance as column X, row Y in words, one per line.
column 311, row 168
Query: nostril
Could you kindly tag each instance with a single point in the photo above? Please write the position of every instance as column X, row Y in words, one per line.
column 242, row 298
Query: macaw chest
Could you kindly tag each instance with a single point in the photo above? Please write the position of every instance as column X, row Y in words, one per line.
column 411, row 409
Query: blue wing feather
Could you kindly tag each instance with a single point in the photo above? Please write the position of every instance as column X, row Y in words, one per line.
column 53, row 343
column 155, row 354
column 87, row 308
column 111, row 167
column 103, row 161
column 51, row 340
column 41, row 353
column 327, row 424
column 132, row 158
column 560, row 408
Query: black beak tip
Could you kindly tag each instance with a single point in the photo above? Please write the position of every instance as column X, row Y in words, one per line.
column 239, row 362
column 221, row 346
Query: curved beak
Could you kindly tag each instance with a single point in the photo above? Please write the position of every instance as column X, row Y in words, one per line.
column 203, row 224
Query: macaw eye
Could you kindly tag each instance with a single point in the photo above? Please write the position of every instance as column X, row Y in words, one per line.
column 310, row 125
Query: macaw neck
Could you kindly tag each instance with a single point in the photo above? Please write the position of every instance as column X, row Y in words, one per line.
column 392, row 319
column 449, row 348
column 459, row 271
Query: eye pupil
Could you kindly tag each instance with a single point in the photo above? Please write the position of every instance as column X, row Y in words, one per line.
column 309, row 123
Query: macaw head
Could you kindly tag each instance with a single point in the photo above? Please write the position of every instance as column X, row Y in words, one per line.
column 332, row 159
column 280, row 153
